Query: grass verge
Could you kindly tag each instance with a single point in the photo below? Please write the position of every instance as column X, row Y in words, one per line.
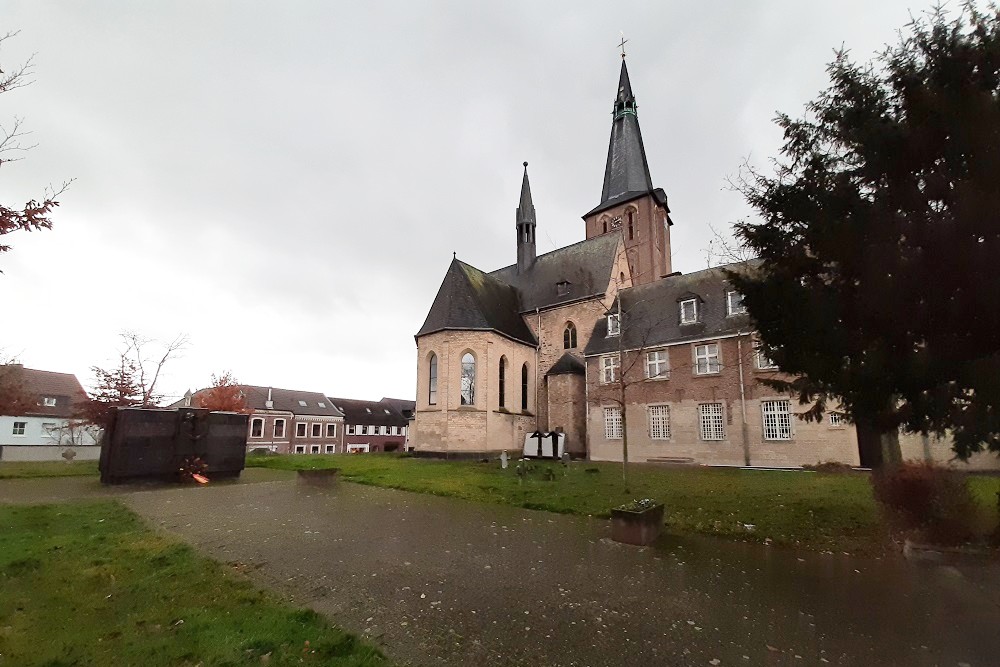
column 22, row 469
column 803, row 509
column 89, row 584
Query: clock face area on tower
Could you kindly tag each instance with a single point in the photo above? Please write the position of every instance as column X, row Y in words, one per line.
column 616, row 222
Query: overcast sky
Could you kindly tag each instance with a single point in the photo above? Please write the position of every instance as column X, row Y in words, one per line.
column 286, row 182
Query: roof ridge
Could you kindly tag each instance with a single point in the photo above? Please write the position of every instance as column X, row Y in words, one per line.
column 552, row 252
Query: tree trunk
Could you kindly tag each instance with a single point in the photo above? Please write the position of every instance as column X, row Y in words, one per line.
column 624, row 448
column 892, row 455
column 877, row 448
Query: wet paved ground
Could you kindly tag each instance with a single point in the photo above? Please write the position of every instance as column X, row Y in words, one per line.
column 437, row 581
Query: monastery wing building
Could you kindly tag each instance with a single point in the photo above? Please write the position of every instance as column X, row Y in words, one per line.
column 541, row 345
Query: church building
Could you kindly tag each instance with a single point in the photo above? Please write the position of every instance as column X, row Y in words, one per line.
column 601, row 338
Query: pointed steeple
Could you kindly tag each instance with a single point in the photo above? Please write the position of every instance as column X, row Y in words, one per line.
column 525, row 221
column 627, row 172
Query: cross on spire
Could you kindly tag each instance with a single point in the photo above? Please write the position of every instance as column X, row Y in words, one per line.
column 622, row 44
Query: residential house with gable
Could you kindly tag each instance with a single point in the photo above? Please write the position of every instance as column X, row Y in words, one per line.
column 372, row 426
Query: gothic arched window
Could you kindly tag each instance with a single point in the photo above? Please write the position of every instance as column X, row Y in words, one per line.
column 468, row 379
column 631, row 223
column 503, row 381
column 569, row 336
column 432, row 379
column 524, row 387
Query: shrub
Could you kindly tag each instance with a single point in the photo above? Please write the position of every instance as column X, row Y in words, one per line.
column 931, row 502
column 830, row 467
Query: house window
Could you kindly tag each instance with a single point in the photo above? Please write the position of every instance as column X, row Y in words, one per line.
column 761, row 360
column 279, row 428
column 350, row 429
column 49, row 401
column 613, row 423
column 331, row 449
column 713, row 427
column 300, row 430
column 314, row 449
column 569, row 337
column 706, row 359
column 302, row 404
column 300, row 449
column 734, row 303
column 331, row 430
column 256, row 428
column 689, row 311
column 432, row 383
column 317, row 430
column 503, row 382
column 609, row 368
column 777, row 420
column 836, row 419
column 321, row 404
column 657, row 365
column 659, row 422
column 605, row 224
column 468, row 379
column 614, row 325
column 524, row 387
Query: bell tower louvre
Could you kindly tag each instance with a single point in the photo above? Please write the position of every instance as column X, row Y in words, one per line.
column 630, row 205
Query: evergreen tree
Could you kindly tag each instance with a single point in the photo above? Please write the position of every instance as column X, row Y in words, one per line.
column 879, row 239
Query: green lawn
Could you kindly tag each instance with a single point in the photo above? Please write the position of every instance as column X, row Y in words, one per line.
column 805, row 509
column 88, row 584
column 47, row 469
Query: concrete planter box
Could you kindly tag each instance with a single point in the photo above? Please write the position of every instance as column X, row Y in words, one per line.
column 638, row 527
column 322, row 478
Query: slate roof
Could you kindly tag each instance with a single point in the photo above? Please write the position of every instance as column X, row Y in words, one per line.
column 283, row 400
column 376, row 413
column 586, row 266
column 403, row 406
column 64, row 387
column 651, row 313
column 568, row 364
column 626, row 175
column 469, row 299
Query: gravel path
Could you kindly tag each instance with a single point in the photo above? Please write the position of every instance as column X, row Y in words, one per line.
column 437, row 581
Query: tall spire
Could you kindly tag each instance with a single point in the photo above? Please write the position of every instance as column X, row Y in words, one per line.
column 525, row 221
column 627, row 172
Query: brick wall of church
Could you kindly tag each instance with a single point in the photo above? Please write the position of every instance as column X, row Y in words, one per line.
column 568, row 411
column 649, row 247
column 449, row 426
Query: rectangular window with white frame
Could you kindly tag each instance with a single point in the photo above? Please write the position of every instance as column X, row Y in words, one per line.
column 350, row 429
column 777, row 416
column 706, row 359
column 659, row 421
column 761, row 361
column 836, row 419
column 279, row 428
column 657, row 365
column 256, row 427
column 300, row 430
column 300, row 449
column 734, row 303
column 317, row 431
column 49, row 401
column 331, row 449
column 689, row 311
column 614, row 325
column 610, row 364
column 314, row 449
column 331, row 430
column 613, row 423
column 712, row 422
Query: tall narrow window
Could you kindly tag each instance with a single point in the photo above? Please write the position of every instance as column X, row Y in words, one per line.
column 613, row 423
column 279, row 428
column 524, row 387
column 432, row 380
column 468, row 379
column 631, row 224
column 614, row 325
column 503, row 381
column 256, row 428
column 689, row 311
column 569, row 337
column 659, row 422
column 713, row 426
column 605, row 226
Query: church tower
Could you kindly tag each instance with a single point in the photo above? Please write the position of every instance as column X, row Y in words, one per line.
column 630, row 205
column 525, row 219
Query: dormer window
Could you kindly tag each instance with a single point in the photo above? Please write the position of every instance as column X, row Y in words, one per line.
column 689, row 311
column 734, row 303
column 614, row 325
column 562, row 288
column 49, row 401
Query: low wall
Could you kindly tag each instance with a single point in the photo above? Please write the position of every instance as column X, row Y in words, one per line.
column 47, row 453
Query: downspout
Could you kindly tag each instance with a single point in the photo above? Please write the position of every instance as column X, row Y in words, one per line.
column 743, row 401
column 586, row 409
column 538, row 334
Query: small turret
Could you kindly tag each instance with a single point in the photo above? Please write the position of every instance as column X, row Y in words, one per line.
column 525, row 227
